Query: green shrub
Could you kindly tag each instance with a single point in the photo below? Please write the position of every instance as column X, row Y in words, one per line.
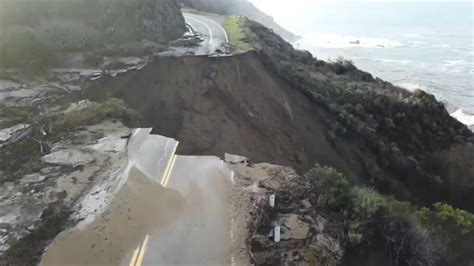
column 65, row 35
column 335, row 190
column 342, row 66
column 446, row 213
column 368, row 203
column 21, row 47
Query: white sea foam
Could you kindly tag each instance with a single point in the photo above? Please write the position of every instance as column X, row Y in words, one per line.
column 456, row 62
column 346, row 41
column 463, row 117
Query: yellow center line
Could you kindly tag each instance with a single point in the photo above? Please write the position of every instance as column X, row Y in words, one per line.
column 134, row 257
column 167, row 169
column 139, row 253
column 167, row 177
column 142, row 252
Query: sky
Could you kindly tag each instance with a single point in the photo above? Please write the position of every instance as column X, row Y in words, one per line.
column 278, row 8
column 288, row 13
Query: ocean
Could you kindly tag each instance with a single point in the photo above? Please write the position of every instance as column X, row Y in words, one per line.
column 422, row 45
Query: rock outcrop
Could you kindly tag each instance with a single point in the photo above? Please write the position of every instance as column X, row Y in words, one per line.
column 114, row 22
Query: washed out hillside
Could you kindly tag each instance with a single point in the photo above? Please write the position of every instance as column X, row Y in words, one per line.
column 192, row 132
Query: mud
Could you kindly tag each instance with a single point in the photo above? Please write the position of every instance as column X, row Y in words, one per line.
column 141, row 207
column 233, row 104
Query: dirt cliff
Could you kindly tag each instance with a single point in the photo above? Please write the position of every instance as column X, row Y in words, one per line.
column 232, row 104
column 283, row 106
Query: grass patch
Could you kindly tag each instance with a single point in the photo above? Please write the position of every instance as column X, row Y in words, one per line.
column 445, row 214
column 240, row 38
column 92, row 113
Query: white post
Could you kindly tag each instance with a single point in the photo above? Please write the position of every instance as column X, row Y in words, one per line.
column 272, row 200
column 276, row 234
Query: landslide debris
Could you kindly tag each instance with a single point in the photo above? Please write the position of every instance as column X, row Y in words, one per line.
column 225, row 105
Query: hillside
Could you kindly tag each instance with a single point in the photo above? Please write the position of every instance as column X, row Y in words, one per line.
column 370, row 173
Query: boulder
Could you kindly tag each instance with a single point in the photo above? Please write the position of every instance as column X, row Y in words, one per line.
column 68, row 157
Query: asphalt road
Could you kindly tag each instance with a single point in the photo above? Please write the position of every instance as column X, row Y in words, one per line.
column 210, row 27
column 202, row 233
column 171, row 210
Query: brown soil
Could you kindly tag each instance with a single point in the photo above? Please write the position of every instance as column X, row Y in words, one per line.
column 232, row 104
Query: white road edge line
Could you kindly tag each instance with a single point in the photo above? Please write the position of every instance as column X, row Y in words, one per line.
column 220, row 27
column 211, row 36
column 192, row 27
column 170, row 170
column 167, row 172
column 160, row 160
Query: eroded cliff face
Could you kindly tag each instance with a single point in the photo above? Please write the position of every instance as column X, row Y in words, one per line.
column 287, row 108
column 160, row 20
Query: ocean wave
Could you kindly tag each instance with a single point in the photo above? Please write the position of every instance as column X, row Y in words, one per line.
column 440, row 45
column 385, row 60
column 464, row 117
column 346, row 41
column 459, row 62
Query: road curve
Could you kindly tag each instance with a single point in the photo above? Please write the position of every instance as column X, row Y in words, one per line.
column 210, row 27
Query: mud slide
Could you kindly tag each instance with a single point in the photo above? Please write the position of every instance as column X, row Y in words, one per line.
column 232, row 104
column 142, row 206
column 164, row 212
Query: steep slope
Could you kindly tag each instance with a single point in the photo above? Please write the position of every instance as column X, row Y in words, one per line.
column 283, row 106
column 416, row 150
column 233, row 104
column 111, row 22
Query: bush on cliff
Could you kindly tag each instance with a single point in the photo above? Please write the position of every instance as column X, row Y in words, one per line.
column 21, row 47
column 335, row 190
column 90, row 113
column 69, row 36
column 369, row 216
column 343, row 65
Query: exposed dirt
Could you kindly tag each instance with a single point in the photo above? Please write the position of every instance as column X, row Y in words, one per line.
column 231, row 104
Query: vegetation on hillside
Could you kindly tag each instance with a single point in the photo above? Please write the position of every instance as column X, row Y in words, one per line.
column 90, row 113
column 240, row 38
column 425, row 236
column 22, row 46
column 35, row 34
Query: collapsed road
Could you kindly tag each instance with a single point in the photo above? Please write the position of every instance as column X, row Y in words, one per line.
column 168, row 206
